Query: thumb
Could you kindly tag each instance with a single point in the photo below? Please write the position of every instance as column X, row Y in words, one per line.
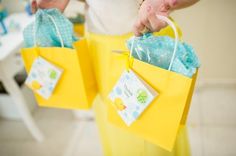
column 34, row 6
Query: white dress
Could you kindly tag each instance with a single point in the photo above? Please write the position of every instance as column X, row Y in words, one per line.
column 113, row 17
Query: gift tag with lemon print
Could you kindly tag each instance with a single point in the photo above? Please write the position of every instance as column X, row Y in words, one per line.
column 43, row 77
column 131, row 96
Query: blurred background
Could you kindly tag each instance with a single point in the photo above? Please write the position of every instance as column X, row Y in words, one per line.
column 26, row 129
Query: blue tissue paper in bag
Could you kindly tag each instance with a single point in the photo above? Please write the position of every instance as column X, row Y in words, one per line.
column 46, row 34
column 158, row 51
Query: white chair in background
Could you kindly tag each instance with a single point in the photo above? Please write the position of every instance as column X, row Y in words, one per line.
column 10, row 65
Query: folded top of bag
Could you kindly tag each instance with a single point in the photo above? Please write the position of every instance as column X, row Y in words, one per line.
column 50, row 28
column 158, row 51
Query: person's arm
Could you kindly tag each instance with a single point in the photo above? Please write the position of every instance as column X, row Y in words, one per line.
column 147, row 19
column 46, row 4
column 183, row 3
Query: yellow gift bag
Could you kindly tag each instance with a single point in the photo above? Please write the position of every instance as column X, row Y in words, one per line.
column 161, row 120
column 76, row 88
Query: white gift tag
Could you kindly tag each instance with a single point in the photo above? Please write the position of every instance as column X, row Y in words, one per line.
column 43, row 77
column 131, row 95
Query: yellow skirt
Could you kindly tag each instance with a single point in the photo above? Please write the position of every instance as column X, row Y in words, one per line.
column 116, row 141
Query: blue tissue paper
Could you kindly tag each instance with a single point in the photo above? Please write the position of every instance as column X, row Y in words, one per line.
column 45, row 30
column 158, row 51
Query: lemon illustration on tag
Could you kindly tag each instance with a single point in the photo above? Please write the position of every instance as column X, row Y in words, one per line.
column 119, row 104
column 35, row 85
column 142, row 96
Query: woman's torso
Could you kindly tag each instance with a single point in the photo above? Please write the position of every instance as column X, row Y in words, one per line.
column 113, row 17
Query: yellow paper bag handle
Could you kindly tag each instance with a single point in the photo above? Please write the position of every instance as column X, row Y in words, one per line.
column 172, row 25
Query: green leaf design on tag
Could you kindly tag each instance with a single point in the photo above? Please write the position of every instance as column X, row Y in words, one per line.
column 53, row 74
column 142, row 96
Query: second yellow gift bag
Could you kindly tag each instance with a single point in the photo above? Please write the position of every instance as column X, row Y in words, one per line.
column 76, row 87
column 161, row 120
